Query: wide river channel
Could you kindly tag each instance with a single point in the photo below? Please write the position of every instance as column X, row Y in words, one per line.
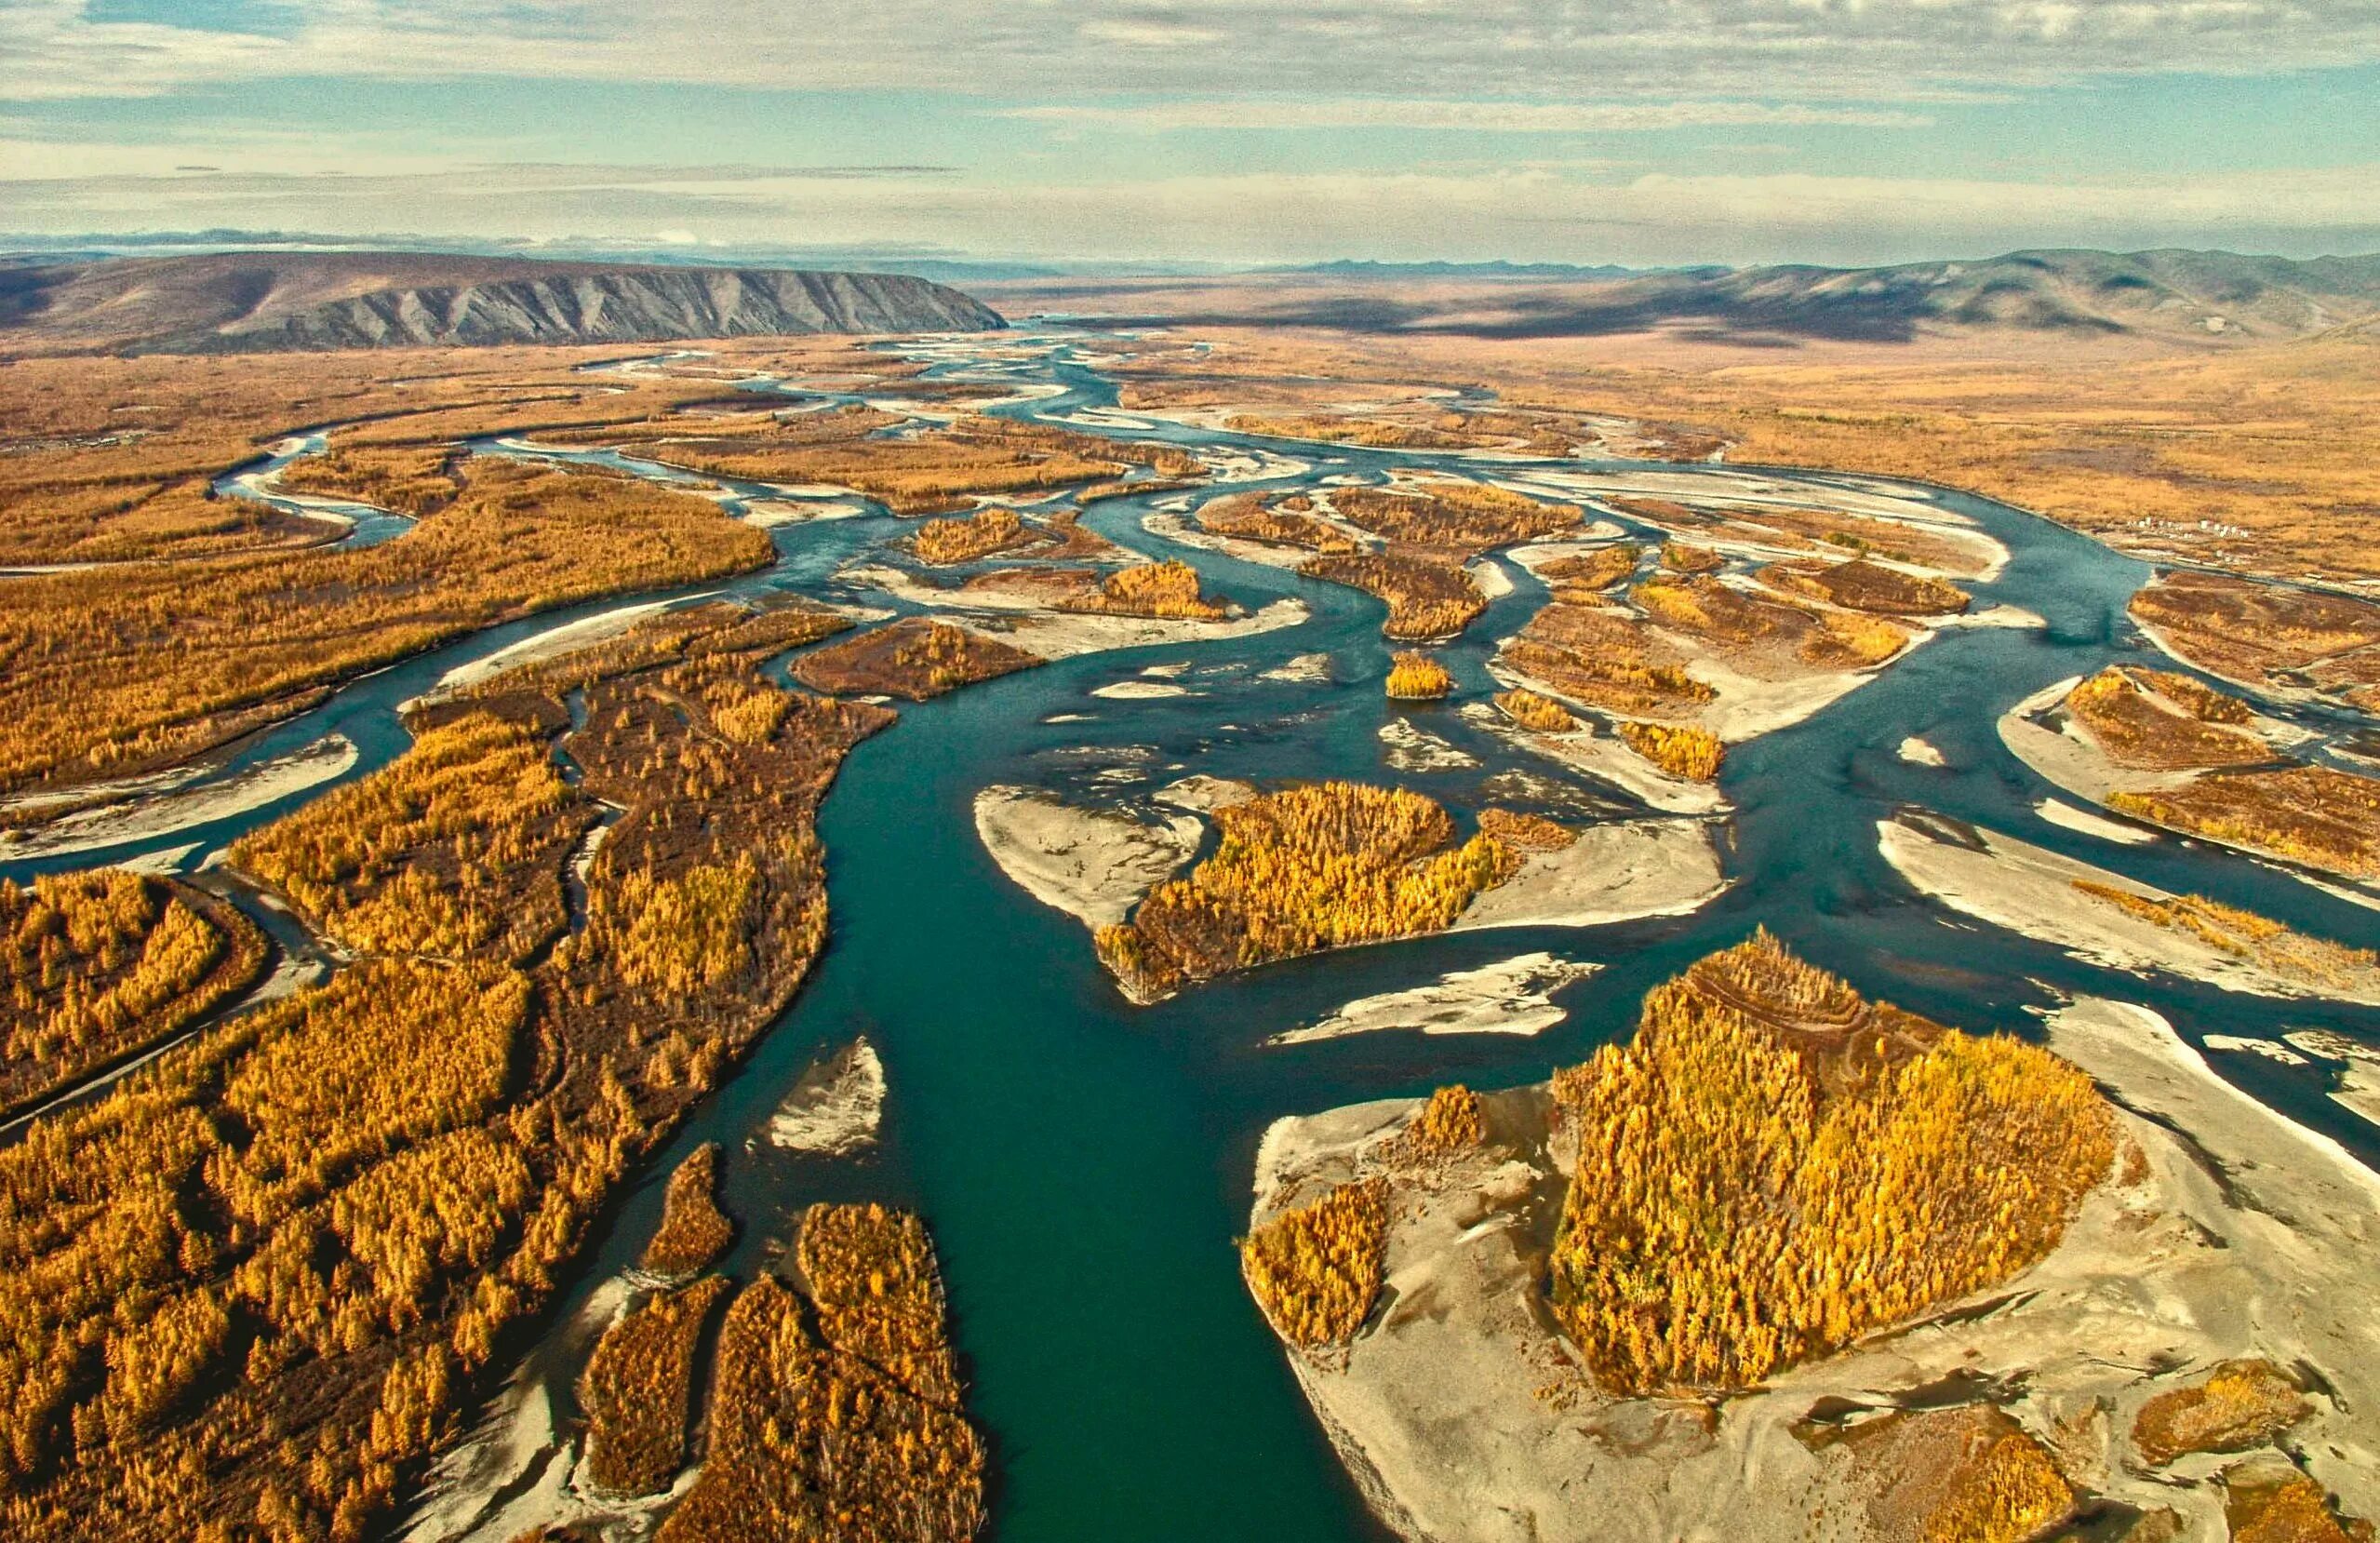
column 1084, row 1164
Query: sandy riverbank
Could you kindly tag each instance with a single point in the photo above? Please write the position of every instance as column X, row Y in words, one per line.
column 1460, row 1414
column 1092, row 863
column 1620, row 872
column 148, row 816
column 1513, row 996
column 2028, row 890
column 837, row 1108
column 1049, row 634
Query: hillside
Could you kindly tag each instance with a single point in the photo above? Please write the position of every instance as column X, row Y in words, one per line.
column 2157, row 295
column 258, row 302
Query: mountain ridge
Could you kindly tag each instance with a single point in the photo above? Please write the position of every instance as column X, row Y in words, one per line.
column 289, row 302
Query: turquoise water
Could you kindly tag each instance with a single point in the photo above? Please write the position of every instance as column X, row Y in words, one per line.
column 1084, row 1164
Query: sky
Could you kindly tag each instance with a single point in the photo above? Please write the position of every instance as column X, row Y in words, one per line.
column 1236, row 132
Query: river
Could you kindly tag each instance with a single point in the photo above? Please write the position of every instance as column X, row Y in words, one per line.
column 1084, row 1165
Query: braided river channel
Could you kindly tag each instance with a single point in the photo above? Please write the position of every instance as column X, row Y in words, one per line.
column 1084, row 1165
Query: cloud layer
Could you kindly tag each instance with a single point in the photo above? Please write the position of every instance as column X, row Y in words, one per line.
column 1521, row 50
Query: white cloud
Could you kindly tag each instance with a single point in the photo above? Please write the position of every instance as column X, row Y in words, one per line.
column 1501, row 117
column 1539, row 214
column 1518, row 50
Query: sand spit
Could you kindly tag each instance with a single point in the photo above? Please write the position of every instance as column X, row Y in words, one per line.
column 1459, row 1413
column 1411, row 748
column 2066, row 758
column 2065, row 815
column 1605, row 757
column 1918, row 752
column 837, row 1108
column 1141, row 691
column 1170, row 524
column 1490, row 575
column 552, row 643
column 2029, row 890
column 146, row 817
column 2358, row 1088
column 1064, row 633
column 1512, row 996
column 2248, row 1044
column 1621, row 872
column 1303, row 670
column 1092, row 863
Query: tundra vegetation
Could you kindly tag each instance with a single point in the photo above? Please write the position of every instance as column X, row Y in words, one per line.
column 1584, row 576
column 1167, row 589
column 1316, row 1270
column 1680, row 749
column 1773, row 1166
column 253, row 1286
column 1860, row 584
column 120, row 671
column 102, row 965
column 2266, row 636
column 2315, row 816
column 2260, row 941
column 2238, row 1405
column 1735, row 622
column 917, row 657
column 838, row 1416
column 1248, row 516
column 1539, row 714
column 1298, row 871
column 1418, row 677
column 638, row 1389
column 694, row 1231
column 2158, row 721
column 1607, row 659
column 943, row 542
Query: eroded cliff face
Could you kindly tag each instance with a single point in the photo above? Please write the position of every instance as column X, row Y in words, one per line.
column 265, row 302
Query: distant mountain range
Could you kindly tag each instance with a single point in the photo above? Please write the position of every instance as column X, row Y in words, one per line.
column 2166, row 294
column 236, row 302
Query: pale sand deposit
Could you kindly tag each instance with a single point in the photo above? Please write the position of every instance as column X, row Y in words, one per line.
column 552, row 643
column 1490, row 575
column 1092, row 863
column 1141, row 691
column 1619, row 872
column 2358, row 1088
column 1303, row 669
column 2068, row 758
column 1410, row 748
column 147, row 817
column 2014, row 884
column 837, row 1108
column 2248, row 1044
column 2061, row 814
column 1063, row 634
column 1512, row 996
column 1459, row 1413
column 1918, row 752
column 1604, row 756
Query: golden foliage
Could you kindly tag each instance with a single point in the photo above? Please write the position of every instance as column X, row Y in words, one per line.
column 1308, row 868
column 113, row 672
column 850, row 1433
column 1586, row 574
column 1168, row 588
column 1723, row 615
column 1418, row 677
column 1607, row 657
column 2239, row 1405
column 1863, row 585
column 694, row 1231
column 2275, row 1503
column 2243, row 934
column 1316, row 1270
column 2264, row 633
column 413, row 480
column 638, row 1389
column 943, row 542
column 1525, row 832
column 480, row 791
column 1245, row 516
column 2311, row 814
column 1540, row 713
column 1453, row 521
column 1447, row 1123
column 1680, row 558
column 1427, row 599
column 2145, row 726
column 1681, row 750
column 2013, row 1491
column 1740, row 1205
column 104, row 963
column 914, row 658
